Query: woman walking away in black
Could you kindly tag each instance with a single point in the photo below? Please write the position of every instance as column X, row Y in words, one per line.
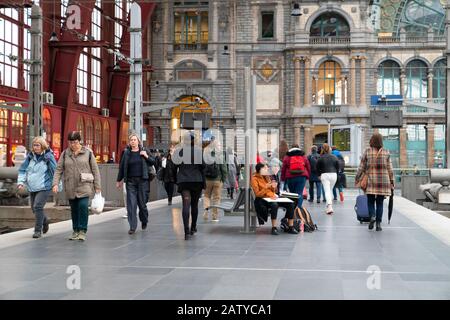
column 134, row 170
column 169, row 176
column 190, row 179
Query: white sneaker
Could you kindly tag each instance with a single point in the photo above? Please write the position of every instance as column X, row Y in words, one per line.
column 329, row 209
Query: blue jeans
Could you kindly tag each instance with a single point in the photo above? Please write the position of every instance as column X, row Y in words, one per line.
column 311, row 189
column 296, row 185
column 371, row 199
column 80, row 213
column 38, row 200
column 137, row 196
column 340, row 188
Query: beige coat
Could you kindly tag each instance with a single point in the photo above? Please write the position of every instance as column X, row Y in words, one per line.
column 72, row 166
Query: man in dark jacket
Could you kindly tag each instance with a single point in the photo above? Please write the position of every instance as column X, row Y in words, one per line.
column 340, row 183
column 314, row 178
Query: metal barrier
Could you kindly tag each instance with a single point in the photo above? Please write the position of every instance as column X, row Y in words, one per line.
column 113, row 196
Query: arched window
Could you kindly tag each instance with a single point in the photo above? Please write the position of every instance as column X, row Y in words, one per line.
column 439, row 76
column 80, row 127
column 89, row 140
column 3, row 124
column 17, row 132
column 47, row 125
column 189, row 70
column 89, row 67
column 98, row 139
column 416, row 81
column 388, row 82
column 330, row 84
column 330, row 25
column 106, row 133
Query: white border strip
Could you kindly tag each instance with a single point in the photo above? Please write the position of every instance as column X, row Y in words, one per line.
column 432, row 222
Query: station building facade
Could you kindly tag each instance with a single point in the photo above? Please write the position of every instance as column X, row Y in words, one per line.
column 318, row 74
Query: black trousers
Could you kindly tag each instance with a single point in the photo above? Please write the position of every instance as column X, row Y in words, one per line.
column 263, row 208
column 170, row 187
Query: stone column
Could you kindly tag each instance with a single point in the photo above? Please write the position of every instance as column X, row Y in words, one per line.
column 353, row 81
column 403, row 156
column 343, row 100
column 430, row 144
column 307, row 98
column 362, row 96
column 308, row 139
column 402, row 83
column 430, row 85
column 297, row 82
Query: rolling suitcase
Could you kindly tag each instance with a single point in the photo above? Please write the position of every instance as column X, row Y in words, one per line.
column 362, row 209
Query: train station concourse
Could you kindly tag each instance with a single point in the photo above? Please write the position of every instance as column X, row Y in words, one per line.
column 408, row 260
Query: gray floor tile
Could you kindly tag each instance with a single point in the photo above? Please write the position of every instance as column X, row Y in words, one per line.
column 221, row 262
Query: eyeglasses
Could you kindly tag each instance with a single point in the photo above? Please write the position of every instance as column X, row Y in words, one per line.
column 73, row 141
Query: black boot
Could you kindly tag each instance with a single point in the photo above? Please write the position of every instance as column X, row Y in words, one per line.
column 274, row 231
column 186, row 234
column 372, row 222
column 193, row 230
column 291, row 230
column 378, row 226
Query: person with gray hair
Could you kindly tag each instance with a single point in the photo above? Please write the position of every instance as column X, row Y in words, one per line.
column 36, row 174
column 134, row 170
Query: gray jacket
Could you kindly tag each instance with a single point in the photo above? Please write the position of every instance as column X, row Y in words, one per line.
column 72, row 166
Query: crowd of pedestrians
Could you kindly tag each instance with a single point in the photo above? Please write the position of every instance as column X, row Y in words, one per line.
column 77, row 175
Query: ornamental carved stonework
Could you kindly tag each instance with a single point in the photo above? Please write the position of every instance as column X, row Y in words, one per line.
column 267, row 69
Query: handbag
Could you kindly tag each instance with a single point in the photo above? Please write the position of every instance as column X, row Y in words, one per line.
column 364, row 181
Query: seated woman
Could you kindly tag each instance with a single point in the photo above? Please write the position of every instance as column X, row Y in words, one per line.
column 263, row 187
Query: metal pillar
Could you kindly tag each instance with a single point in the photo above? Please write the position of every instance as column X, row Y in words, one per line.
column 247, row 150
column 250, row 144
column 136, row 117
column 447, row 115
column 35, row 94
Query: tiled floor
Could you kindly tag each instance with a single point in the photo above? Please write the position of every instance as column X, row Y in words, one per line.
column 221, row 262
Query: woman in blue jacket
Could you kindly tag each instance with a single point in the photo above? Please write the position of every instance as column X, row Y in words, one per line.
column 36, row 174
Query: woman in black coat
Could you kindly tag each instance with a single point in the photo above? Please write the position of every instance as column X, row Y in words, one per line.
column 169, row 176
column 134, row 171
column 191, row 181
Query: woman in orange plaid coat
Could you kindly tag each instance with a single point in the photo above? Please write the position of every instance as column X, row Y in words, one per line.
column 376, row 163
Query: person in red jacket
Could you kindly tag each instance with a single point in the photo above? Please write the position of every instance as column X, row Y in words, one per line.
column 295, row 171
